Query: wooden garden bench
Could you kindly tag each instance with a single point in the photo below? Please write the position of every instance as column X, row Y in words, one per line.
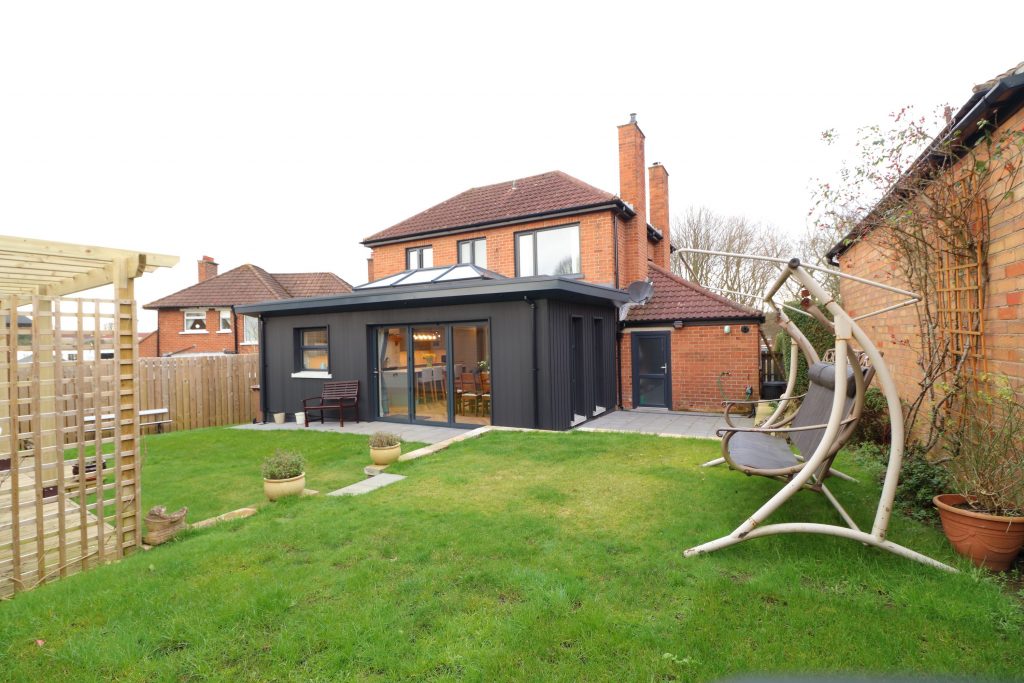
column 334, row 396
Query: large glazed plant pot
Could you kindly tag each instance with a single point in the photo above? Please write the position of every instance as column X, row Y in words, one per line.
column 991, row 541
column 278, row 488
column 385, row 456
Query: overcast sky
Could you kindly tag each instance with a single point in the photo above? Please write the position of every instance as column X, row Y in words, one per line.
column 281, row 134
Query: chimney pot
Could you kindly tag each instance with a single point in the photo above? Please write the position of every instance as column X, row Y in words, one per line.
column 632, row 117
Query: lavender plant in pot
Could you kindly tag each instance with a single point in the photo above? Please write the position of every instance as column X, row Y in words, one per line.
column 385, row 448
column 284, row 474
column 984, row 518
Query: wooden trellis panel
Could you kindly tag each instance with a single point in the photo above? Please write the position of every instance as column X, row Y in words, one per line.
column 63, row 361
column 961, row 310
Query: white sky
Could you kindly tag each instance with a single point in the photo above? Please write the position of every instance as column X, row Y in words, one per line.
column 281, row 134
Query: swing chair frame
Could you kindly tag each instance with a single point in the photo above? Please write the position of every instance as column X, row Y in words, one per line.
column 816, row 467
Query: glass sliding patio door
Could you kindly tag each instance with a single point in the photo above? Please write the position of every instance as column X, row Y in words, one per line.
column 392, row 351
column 471, row 365
column 430, row 379
column 434, row 373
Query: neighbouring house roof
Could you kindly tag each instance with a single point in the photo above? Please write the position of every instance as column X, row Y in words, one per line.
column 993, row 101
column 514, row 200
column 475, row 290
column 249, row 284
column 677, row 299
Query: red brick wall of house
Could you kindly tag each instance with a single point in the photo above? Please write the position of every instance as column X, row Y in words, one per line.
column 896, row 333
column 147, row 345
column 174, row 340
column 597, row 257
column 699, row 354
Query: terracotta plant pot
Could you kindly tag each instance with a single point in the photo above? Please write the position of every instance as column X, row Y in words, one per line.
column 278, row 488
column 385, row 456
column 991, row 541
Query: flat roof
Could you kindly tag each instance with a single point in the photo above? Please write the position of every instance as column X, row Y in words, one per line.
column 447, row 293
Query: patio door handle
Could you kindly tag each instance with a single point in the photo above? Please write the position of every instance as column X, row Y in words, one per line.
column 665, row 366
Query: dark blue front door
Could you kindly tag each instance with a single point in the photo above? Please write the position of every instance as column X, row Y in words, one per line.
column 652, row 370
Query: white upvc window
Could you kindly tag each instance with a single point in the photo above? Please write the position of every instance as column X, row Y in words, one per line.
column 195, row 320
column 250, row 329
column 225, row 320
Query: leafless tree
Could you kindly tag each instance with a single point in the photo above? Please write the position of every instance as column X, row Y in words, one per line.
column 701, row 228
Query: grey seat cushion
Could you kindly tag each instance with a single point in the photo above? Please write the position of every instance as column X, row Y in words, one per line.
column 760, row 451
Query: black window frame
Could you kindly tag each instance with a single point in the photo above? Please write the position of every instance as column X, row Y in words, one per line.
column 419, row 250
column 472, row 250
column 300, row 348
column 517, row 235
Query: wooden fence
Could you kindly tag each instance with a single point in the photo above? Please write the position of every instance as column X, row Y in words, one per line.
column 200, row 391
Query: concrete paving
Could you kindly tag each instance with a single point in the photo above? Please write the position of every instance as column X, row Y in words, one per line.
column 407, row 432
column 366, row 485
column 650, row 421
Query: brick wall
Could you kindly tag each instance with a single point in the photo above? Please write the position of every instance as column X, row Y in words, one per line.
column 596, row 247
column 147, row 345
column 174, row 339
column 896, row 333
column 700, row 353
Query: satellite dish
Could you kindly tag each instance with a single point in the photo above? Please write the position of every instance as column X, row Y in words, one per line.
column 640, row 291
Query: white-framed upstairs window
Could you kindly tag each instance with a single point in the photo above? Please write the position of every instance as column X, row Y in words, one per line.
column 224, row 317
column 250, row 329
column 195, row 320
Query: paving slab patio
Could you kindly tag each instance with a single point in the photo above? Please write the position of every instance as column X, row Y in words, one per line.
column 407, row 432
column 697, row 425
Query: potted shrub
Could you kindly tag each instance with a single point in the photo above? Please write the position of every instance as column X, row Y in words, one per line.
column 385, row 448
column 984, row 519
column 283, row 475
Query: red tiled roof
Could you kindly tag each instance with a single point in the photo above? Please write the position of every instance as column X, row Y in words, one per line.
column 539, row 194
column 251, row 284
column 677, row 299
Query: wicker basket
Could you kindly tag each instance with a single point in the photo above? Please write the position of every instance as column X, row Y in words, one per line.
column 161, row 526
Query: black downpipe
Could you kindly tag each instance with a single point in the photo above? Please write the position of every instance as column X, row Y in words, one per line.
column 618, row 365
column 263, row 371
column 615, row 240
column 234, row 327
column 535, row 369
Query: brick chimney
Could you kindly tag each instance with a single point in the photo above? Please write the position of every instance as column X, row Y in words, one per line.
column 658, row 187
column 207, row 268
column 633, row 190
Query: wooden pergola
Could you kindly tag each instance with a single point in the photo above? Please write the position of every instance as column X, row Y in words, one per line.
column 67, row 385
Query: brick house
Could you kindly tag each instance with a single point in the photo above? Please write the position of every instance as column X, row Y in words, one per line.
column 1000, row 102
column 202, row 319
column 685, row 349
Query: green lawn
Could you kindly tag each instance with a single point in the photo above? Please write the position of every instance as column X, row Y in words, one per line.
column 217, row 470
column 519, row 556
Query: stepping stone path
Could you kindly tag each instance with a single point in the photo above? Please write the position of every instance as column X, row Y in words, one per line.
column 372, row 484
